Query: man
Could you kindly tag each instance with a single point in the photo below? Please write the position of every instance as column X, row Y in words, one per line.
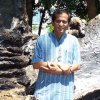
column 57, row 56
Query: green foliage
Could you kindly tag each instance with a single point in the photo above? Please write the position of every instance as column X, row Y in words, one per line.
column 47, row 3
column 71, row 4
column 78, row 7
column 51, row 28
column 35, row 27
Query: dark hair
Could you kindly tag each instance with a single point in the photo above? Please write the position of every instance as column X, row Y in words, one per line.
column 60, row 11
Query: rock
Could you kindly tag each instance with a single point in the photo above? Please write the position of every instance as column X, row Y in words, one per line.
column 11, row 73
column 13, row 94
column 16, row 50
column 76, row 27
column 87, row 79
column 4, row 52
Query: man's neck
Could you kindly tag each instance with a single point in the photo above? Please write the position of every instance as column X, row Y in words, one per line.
column 58, row 35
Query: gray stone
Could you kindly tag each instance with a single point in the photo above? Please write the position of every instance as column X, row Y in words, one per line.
column 87, row 79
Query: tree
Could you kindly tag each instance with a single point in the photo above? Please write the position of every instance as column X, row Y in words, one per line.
column 98, row 6
column 91, row 8
column 29, row 9
column 43, row 6
column 46, row 5
column 81, row 9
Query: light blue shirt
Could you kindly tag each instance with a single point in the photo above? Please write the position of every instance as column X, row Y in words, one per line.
column 65, row 50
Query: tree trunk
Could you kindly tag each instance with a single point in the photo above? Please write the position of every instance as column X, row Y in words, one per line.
column 29, row 8
column 40, row 25
column 91, row 7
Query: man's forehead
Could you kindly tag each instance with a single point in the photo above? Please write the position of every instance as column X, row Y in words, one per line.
column 62, row 16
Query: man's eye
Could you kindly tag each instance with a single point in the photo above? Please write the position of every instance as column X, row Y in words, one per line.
column 64, row 22
column 59, row 21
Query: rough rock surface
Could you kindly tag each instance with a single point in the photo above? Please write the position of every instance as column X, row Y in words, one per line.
column 16, row 49
column 87, row 79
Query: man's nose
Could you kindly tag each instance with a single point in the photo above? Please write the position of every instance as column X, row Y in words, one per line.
column 61, row 23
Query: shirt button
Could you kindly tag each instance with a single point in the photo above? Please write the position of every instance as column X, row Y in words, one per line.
column 59, row 58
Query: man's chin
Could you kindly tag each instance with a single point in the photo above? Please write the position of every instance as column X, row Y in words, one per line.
column 61, row 31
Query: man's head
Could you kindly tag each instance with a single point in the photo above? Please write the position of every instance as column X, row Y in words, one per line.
column 59, row 11
column 60, row 21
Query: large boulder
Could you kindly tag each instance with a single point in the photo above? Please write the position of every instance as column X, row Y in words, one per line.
column 16, row 50
column 87, row 79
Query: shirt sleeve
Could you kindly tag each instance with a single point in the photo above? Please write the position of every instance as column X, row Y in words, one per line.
column 76, row 52
column 38, row 54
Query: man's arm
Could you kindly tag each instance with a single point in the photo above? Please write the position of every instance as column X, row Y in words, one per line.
column 56, row 67
column 67, row 69
column 76, row 56
column 48, row 67
column 75, row 67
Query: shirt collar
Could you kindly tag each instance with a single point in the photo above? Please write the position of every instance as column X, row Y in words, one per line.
column 52, row 35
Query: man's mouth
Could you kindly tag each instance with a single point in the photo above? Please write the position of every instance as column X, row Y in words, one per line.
column 61, row 30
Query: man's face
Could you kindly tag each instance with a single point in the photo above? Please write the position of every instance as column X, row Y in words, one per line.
column 60, row 23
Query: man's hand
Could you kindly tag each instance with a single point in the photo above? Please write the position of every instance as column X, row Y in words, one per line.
column 54, row 68
column 65, row 68
column 59, row 68
column 51, row 68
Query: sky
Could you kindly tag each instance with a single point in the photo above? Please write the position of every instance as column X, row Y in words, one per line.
column 36, row 19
